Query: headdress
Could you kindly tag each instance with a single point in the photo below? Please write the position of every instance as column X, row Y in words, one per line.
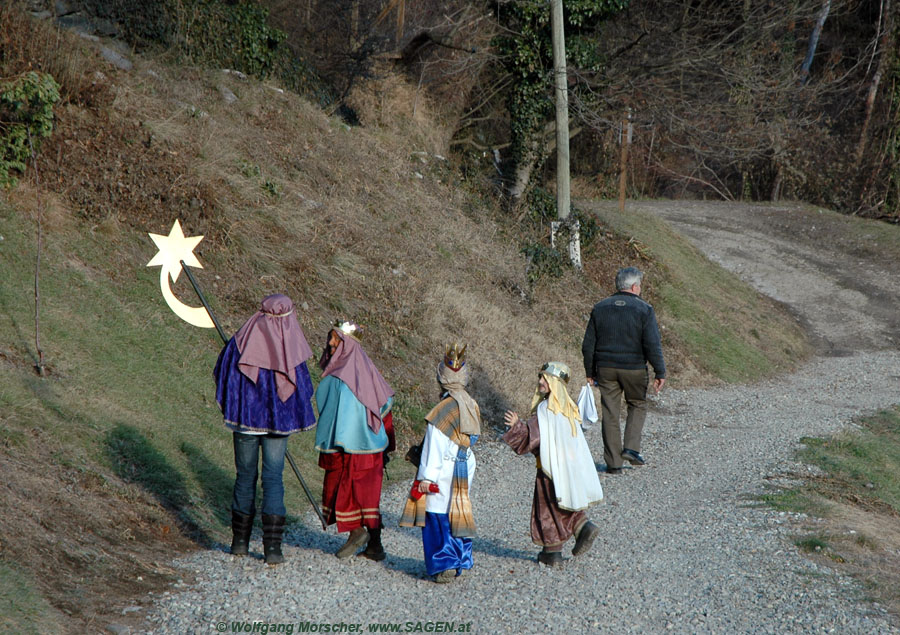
column 352, row 329
column 558, row 400
column 352, row 366
column 455, row 356
column 272, row 339
column 557, row 369
column 453, row 376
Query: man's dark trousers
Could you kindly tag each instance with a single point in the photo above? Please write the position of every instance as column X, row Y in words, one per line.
column 612, row 384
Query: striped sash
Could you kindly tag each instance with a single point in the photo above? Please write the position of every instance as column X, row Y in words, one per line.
column 445, row 418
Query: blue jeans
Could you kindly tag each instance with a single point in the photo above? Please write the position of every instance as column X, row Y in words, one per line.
column 246, row 462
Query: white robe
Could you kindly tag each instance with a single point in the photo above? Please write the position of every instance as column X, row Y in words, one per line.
column 567, row 460
column 438, row 460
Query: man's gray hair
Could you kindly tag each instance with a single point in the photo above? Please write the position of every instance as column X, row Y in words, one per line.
column 628, row 277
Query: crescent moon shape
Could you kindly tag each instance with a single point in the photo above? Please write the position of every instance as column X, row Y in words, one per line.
column 195, row 316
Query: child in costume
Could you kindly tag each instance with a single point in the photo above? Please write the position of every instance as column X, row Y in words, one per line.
column 355, row 434
column 566, row 482
column 439, row 500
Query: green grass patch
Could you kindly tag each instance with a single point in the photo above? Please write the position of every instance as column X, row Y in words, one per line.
column 22, row 609
column 801, row 500
column 820, row 545
column 857, row 497
column 861, row 466
column 812, row 543
column 863, row 463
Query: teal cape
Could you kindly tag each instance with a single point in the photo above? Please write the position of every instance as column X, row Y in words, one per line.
column 343, row 421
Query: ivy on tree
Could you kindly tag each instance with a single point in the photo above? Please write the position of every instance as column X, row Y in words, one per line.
column 527, row 54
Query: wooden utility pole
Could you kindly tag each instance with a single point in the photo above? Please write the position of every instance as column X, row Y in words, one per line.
column 401, row 18
column 626, row 141
column 563, row 197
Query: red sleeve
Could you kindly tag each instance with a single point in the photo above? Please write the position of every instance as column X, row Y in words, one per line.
column 389, row 428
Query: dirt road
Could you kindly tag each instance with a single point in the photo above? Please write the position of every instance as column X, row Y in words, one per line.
column 837, row 280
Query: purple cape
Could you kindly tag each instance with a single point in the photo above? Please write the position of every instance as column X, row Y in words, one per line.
column 256, row 407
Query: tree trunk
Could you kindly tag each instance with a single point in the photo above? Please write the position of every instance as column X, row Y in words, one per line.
column 814, row 42
column 521, row 176
column 884, row 49
column 776, row 185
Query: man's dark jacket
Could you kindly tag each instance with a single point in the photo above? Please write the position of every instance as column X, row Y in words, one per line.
column 622, row 333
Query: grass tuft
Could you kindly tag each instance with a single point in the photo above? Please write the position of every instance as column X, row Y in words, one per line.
column 857, row 497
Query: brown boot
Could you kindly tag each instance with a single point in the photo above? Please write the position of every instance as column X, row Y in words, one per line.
column 241, row 527
column 445, row 577
column 550, row 558
column 273, row 528
column 374, row 550
column 355, row 540
column 587, row 535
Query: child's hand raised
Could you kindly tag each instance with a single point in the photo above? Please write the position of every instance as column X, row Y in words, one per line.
column 510, row 418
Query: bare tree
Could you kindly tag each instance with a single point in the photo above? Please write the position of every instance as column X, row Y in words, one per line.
column 717, row 89
column 814, row 41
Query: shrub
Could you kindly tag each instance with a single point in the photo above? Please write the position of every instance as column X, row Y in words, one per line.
column 26, row 117
column 543, row 261
column 234, row 35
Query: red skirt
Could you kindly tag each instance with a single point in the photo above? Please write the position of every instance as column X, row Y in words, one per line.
column 351, row 492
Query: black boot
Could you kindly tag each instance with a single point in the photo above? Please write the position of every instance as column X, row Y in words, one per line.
column 273, row 528
column 374, row 550
column 550, row 558
column 241, row 526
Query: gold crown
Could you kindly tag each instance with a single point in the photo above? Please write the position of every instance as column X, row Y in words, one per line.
column 557, row 369
column 455, row 356
column 346, row 327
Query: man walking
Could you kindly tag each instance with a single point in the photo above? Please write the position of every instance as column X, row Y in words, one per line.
column 621, row 337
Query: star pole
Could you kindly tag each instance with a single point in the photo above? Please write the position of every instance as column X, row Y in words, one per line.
column 176, row 254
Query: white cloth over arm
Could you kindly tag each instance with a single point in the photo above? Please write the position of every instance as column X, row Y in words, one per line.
column 438, row 460
column 567, row 460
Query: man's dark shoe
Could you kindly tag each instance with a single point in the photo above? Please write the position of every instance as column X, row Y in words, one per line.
column 633, row 457
column 613, row 470
column 585, row 539
column 550, row 558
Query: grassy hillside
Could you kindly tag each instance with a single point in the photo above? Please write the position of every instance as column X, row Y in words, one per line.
column 116, row 458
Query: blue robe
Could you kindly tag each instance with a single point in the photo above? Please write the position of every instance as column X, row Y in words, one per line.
column 343, row 421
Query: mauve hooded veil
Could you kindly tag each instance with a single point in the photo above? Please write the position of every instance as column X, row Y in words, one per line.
column 262, row 382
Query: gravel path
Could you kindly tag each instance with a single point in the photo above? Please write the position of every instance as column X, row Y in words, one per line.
column 683, row 547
